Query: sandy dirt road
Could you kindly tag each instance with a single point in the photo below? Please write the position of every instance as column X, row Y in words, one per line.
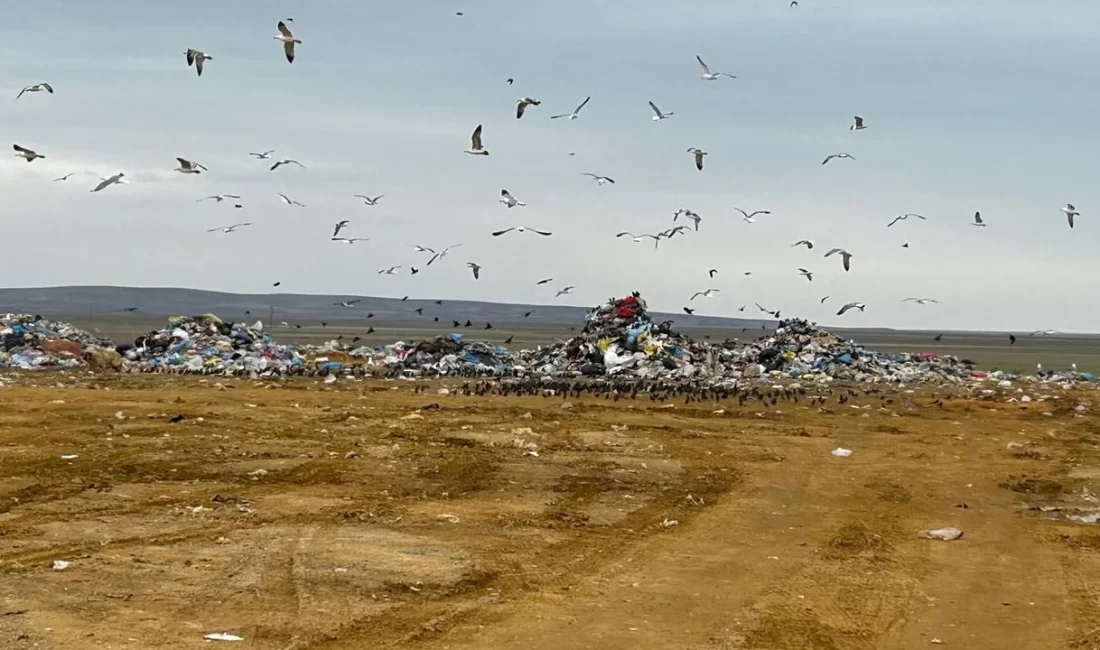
column 300, row 515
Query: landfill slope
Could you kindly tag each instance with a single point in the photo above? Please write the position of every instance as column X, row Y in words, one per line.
column 301, row 514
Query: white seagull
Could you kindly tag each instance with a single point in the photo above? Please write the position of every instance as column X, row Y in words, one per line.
column 658, row 115
column 218, row 197
column 262, row 156
column 806, row 272
column 287, row 161
column 522, row 229
column 390, row 271
column 507, row 199
column 837, row 155
column 564, row 291
column 845, row 255
column 36, row 88
column 228, row 229
column 197, row 58
column 804, row 242
column 369, row 200
column 922, row 301
column 576, row 111
column 857, row 124
column 707, row 74
column 65, row 177
column 522, row 103
column 288, row 40
column 637, row 239
column 851, row 305
column 699, row 153
column 476, row 148
column 189, row 167
column 476, row 268
column 289, row 201
column 1070, row 213
column 978, row 220
column 349, row 240
column 340, row 225
column 600, row 180
column 29, row 154
column 903, row 217
column 441, row 254
column 706, row 294
column 695, row 218
column 348, row 303
column 749, row 215
column 107, row 182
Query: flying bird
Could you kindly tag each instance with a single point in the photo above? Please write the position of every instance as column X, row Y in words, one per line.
column 845, row 255
column 695, row 218
column 189, row 167
column 712, row 272
column 544, row 281
column 903, row 217
column 36, row 88
column 522, row 103
column 1070, row 213
column 347, row 303
column 658, row 115
column 347, row 240
column 228, row 229
column 978, row 220
column 289, row 201
column 851, row 305
column 809, row 274
column 197, row 58
column 509, row 81
column 1012, row 339
column 749, row 215
column 287, row 161
column 576, row 111
column 687, row 310
column 804, row 242
column 824, row 299
column 476, row 148
column 262, row 156
column 921, row 301
column 288, row 40
column 837, row 155
column 707, row 74
column 706, row 294
column 218, row 197
column 29, row 154
column 476, row 268
column 340, row 225
column 65, row 177
column 564, row 291
column 857, row 124
column 637, row 239
column 441, row 254
column 369, row 200
column 107, row 182
column 699, row 153
column 522, row 229
column 600, row 180
column 390, row 271
column 507, row 199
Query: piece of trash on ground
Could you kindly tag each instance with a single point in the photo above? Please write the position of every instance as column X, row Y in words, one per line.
column 946, row 534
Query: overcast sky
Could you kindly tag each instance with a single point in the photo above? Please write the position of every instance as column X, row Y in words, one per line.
column 979, row 105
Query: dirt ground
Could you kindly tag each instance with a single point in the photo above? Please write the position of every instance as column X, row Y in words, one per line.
column 302, row 515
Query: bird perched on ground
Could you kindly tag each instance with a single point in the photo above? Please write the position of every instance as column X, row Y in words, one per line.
column 197, row 58
column 476, row 268
column 218, row 197
column 706, row 294
column 1070, row 213
column 340, row 225
column 522, row 229
column 369, row 200
column 903, row 217
column 107, row 182
column 262, row 156
column 600, row 180
column 29, row 155
column 808, row 274
column 658, row 115
column 857, row 124
column 564, row 291
column 229, row 229
column 978, row 220
column 851, row 305
column 289, row 201
column 476, row 148
column 837, row 155
column 288, row 40
column 804, row 242
column 845, row 255
column 707, row 74
column 36, row 88
column 189, row 167
column 287, row 161
column 522, row 103
column 507, row 199
column 698, row 153
column 939, row 337
column 922, row 301
column 576, row 111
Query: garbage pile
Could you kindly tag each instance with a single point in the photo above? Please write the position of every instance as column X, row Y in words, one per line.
column 28, row 342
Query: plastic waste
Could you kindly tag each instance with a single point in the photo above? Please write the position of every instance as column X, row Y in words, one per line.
column 946, row 534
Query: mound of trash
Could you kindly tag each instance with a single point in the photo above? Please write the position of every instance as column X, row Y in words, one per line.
column 28, row 342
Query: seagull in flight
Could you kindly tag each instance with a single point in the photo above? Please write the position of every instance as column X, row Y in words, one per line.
column 637, row 239
column 707, row 74
column 544, row 281
column 476, row 148
column 748, row 216
column 36, row 88
column 564, row 291
column 476, row 268
column 346, row 240
column 287, row 161
column 658, row 115
column 522, row 229
column 507, row 199
column 903, row 217
column 262, row 156
column 218, row 197
column 712, row 272
column 29, row 154
column 823, row 300
column 522, row 103
column 64, row 178
column 441, row 254
column 576, row 111
column 845, row 255
column 1070, row 213
column 675, row 230
column 688, row 310
column 699, row 153
column 978, row 220
column 851, row 305
column 857, row 124
column 289, row 201
column 809, row 274
column 600, row 180
column 390, row 271
column 695, row 218
column 706, row 294
column 189, row 167
column 288, row 40
column 107, row 182
column 340, row 225
column 922, row 301
column 229, row 229
column 837, row 155
column 197, row 58
column 348, row 303
column 804, row 242
column 367, row 200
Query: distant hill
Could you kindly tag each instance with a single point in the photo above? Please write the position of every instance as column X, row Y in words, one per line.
column 168, row 301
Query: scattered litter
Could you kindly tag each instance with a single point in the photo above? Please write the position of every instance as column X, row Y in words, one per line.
column 669, row 523
column 70, row 457
column 223, row 636
column 60, row 565
column 841, row 452
column 946, row 534
column 451, row 518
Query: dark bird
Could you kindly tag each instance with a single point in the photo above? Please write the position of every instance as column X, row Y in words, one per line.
column 712, row 272
column 276, row 284
column 436, row 319
column 439, row 302
column 370, row 330
column 545, row 281
column 404, row 299
column 688, row 310
column 509, row 339
column 1011, row 339
column 510, row 81
column 455, row 323
column 939, row 337
column 414, row 270
column 129, row 309
column 419, row 311
column 370, row 314
column 488, row 326
column 468, row 324
column 527, row 314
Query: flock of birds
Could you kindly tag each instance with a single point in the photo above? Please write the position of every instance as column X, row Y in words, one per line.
column 524, row 106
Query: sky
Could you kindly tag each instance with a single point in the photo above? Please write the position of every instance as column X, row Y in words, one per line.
column 982, row 105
